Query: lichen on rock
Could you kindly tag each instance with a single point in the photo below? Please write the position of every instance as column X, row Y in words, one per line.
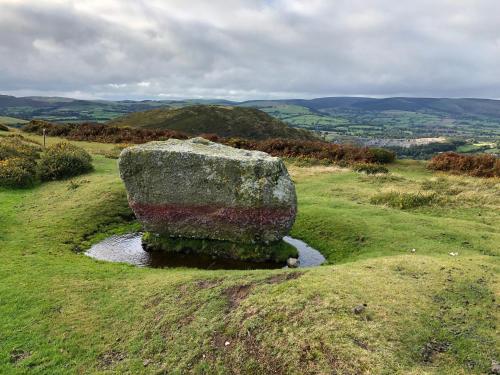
column 204, row 190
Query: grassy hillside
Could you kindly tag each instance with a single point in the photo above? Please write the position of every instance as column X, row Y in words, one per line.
column 426, row 312
column 4, row 120
column 224, row 121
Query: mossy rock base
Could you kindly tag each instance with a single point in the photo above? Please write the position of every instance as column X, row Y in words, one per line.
column 277, row 252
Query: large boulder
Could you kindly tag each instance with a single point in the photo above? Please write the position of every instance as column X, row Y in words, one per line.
column 205, row 190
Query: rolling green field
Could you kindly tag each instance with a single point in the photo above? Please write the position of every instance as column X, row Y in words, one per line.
column 484, row 147
column 342, row 121
column 4, row 120
column 427, row 312
column 342, row 124
column 338, row 118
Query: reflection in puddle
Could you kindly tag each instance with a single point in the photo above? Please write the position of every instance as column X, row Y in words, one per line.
column 127, row 248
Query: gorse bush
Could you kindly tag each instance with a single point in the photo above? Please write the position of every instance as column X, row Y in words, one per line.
column 22, row 161
column 17, row 146
column 482, row 165
column 403, row 200
column 17, row 172
column 287, row 148
column 18, row 167
column 64, row 160
column 369, row 168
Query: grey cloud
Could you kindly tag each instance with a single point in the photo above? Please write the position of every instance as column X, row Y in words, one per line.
column 250, row 49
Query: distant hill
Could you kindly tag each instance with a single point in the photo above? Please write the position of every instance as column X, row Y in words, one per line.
column 342, row 119
column 225, row 121
column 353, row 117
column 469, row 107
column 58, row 109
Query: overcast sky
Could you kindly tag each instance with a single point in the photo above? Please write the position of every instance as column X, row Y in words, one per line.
column 245, row 49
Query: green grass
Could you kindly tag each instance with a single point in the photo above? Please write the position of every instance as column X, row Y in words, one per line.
column 427, row 312
column 347, row 123
column 5, row 120
column 404, row 201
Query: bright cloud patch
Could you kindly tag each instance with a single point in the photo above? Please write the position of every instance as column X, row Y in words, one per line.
column 250, row 49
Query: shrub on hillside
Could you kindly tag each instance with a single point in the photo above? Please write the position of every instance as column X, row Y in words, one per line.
column 4, row 128
column 17, row 146
column 101, row 133
column 290, row 148
column 18, row 161
column 286, row 148
column 17, row 172
column 51, row 129
column 482, row 165
column 382, row 156
column 404, row 201
column 64, row 160
column 369, row 168
column 309, row 162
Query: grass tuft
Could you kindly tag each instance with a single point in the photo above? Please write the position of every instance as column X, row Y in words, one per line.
column 405, row 201
column 370, row 168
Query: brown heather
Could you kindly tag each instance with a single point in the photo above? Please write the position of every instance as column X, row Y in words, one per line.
column 482, row 165
column 290, row 148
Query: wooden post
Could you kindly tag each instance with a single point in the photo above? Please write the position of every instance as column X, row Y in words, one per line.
column 43, row 137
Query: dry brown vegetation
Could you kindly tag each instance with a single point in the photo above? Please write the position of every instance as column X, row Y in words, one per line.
column 290, row 148
column 482, row 165
column 101, row 133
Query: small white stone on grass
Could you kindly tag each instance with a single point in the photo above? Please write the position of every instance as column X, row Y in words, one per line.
column 292, row 262
column 453, row 254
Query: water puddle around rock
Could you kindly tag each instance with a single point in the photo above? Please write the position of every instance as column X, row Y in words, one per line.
column 127, row 248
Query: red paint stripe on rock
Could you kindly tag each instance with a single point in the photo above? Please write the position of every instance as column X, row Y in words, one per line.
column 214, row 215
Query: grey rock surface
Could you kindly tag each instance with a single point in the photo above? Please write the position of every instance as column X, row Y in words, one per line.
column 201, row 189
